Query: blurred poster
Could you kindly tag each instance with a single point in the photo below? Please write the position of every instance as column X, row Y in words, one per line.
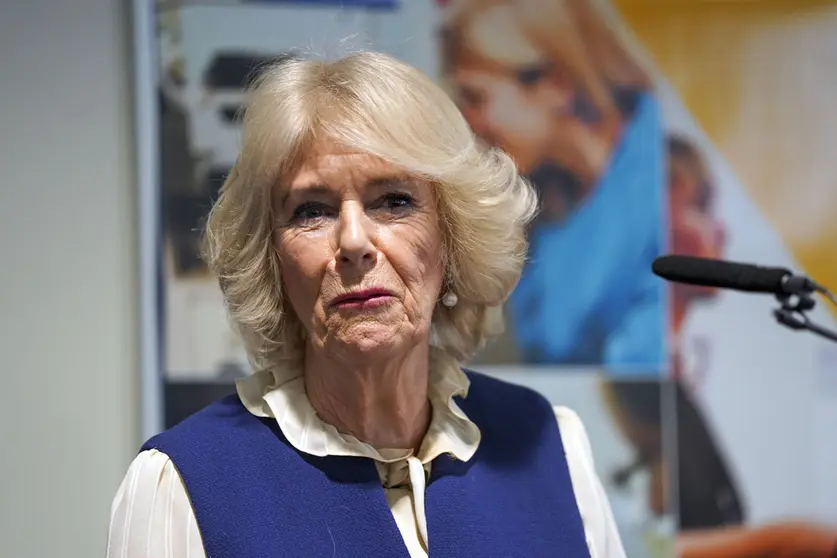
column 680, row 127
column 557, row 87
column 210, row 52
column 761, row 119
column 209, row 55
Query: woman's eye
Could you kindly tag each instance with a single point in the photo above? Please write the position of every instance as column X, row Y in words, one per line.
column 532, row 75
column 470, row 97
column 309, row 211
column 397, row 201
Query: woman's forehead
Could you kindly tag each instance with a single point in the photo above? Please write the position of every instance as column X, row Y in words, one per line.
column 341, row 169
column 329, row 160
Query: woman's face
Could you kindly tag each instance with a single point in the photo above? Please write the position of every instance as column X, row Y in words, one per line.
column 506, row 89
column 517, row 97
column 360, row 250
column 695, row 230
column 515, row 111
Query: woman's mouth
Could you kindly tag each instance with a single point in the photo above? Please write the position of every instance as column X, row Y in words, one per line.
column 363, row 300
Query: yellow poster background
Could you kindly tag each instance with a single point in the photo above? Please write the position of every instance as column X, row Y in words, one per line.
column 760, row 77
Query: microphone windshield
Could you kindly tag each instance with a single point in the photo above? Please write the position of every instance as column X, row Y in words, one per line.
column 721, row 274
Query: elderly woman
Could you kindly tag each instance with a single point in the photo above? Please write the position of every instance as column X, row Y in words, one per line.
column 364, row 243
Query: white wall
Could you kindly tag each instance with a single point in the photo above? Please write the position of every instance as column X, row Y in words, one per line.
column 68, row 405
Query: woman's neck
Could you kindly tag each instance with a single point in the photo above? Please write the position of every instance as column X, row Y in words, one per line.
column 381, row 402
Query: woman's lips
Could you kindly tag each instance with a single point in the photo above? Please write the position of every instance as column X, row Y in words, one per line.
column 363, row 300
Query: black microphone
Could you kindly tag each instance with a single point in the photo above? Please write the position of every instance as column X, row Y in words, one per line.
column 729, row 275
column 794, row 292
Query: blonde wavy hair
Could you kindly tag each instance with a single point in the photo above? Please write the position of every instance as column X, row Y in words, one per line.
column 374, row 103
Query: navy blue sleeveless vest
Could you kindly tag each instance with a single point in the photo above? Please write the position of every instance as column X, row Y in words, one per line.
column 255, row 496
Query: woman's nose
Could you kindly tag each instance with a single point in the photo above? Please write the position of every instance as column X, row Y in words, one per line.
column 355, row 235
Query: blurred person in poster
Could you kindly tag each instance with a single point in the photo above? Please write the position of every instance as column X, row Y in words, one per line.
column 695, row 231
column 710, row 509
column 552, row 83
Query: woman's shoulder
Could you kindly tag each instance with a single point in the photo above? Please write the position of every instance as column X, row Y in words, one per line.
column 151, row 514
column 570, row 422
column 150, row 472
column 149, row 469
column 507, row 393
column 573, row 433
column 489, row 384
column 204, row 425
column 593, row 504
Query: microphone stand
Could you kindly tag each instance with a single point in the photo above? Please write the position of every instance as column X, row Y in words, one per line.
column 797, row 299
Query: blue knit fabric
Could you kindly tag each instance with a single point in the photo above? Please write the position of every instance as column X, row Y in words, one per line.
column 254, row 495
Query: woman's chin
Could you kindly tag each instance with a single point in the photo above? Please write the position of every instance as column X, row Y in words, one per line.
column 369, row 339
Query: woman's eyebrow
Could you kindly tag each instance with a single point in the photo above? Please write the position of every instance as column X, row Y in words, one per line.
column 315, row 188
column 321, row 189
column 390, row 181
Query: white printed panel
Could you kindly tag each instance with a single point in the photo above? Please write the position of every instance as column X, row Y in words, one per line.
column 211, row 31
column 763, row 388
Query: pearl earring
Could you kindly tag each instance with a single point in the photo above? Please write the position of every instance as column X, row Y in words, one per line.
column 450, row 299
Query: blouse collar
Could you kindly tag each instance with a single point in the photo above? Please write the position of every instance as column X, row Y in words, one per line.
column 280, row 394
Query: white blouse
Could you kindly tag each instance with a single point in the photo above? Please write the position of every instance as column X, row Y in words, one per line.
column 151, row 514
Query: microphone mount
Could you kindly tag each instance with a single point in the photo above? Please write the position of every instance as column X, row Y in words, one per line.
column 797, row 298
